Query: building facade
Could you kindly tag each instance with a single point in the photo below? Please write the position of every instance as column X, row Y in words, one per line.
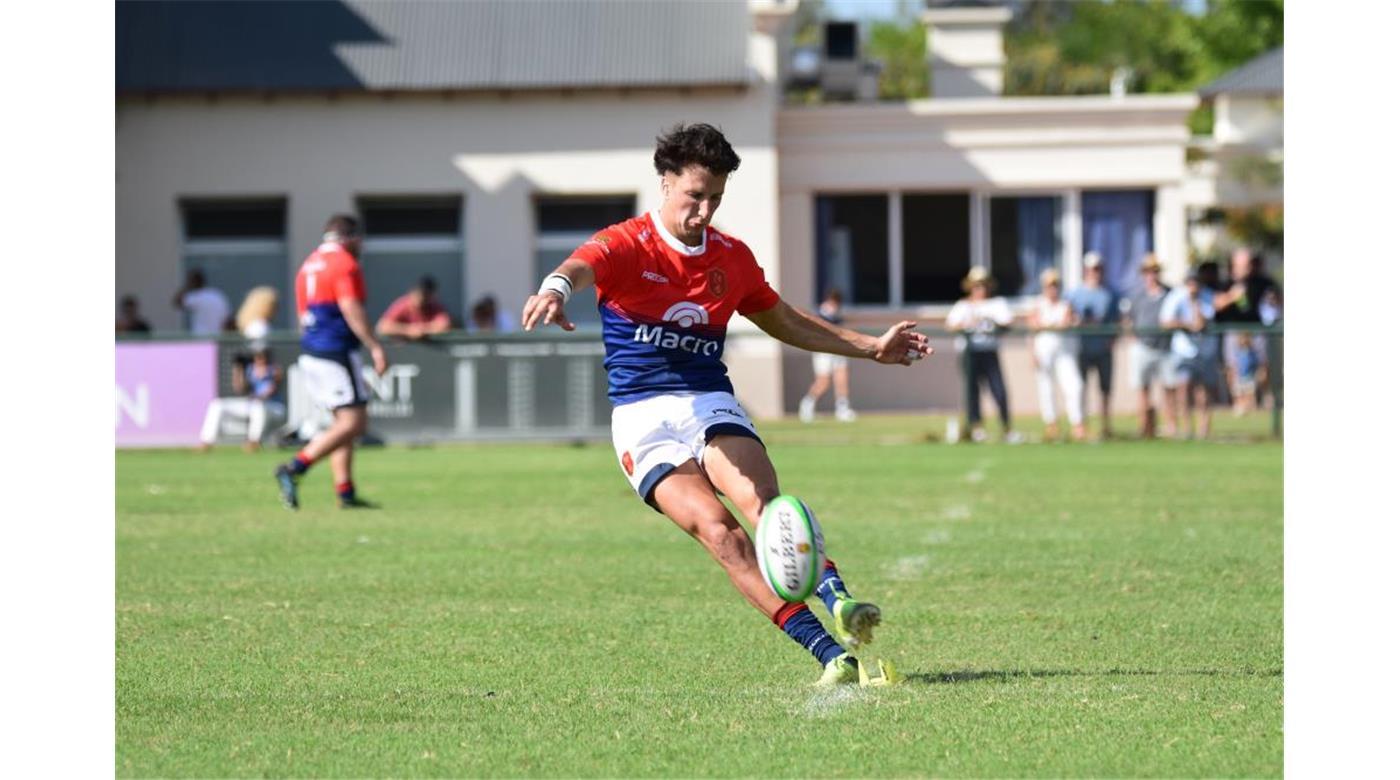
column 485, row 172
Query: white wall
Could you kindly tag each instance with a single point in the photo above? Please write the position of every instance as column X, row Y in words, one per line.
column 496, row 151
column 1255, row 120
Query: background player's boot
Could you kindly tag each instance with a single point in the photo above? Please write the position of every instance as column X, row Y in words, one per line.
column 355, row 502
column 844, row 669
column 855, row 622
column 287, row 483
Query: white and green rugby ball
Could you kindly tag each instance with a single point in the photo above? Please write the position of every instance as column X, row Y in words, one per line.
column 791, row 551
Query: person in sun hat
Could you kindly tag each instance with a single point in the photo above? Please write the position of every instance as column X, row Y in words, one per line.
column 978, row 319
column 1150, row 360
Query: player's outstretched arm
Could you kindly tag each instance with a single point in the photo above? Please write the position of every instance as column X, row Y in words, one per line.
column 900, row 344
column 546, row 307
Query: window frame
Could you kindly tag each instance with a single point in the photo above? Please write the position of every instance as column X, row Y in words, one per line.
column 979, row 238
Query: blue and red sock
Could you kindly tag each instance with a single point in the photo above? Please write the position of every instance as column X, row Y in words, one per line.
column 299, row 464
column 346, row 490
column 804, row 628
column 830, row 587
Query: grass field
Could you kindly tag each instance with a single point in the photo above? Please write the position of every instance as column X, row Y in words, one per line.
column 1107, row 610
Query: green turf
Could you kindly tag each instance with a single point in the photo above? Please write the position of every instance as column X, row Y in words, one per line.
column 1105, row 610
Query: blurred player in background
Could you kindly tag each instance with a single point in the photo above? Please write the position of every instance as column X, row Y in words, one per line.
column 829, row 370
column 331, row 307
column 667, row 284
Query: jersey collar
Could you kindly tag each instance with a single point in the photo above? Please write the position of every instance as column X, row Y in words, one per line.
column 675, row 243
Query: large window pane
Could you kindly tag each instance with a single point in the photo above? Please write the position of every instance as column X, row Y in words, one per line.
column 239, row 244
column 1118, row 225
column 853, row 247
column 563, row 224
column 407, row 238
column 937, row 246
column 1025, row 240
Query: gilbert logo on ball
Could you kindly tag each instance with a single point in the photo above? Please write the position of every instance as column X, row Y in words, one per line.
column 791, row 551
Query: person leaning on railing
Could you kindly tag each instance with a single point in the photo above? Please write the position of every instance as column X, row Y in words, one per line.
column 1149, row 358
column 1055, row 353
column 979, row 318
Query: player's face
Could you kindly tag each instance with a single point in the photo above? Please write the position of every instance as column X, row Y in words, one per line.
column 690, row 201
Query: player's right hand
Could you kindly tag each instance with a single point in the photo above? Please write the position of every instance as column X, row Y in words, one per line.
column 376, row 356
column 544, row 309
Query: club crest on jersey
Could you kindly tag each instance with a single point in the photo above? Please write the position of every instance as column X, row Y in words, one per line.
column 602, row 240
column 718, row 283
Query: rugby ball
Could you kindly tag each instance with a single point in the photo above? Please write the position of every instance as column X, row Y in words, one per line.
column 791, row 551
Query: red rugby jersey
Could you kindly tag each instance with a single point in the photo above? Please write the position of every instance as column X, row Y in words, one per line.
column 665, row 307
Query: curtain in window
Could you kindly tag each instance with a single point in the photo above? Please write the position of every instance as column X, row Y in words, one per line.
column 1118, row 225
column 1037, row 245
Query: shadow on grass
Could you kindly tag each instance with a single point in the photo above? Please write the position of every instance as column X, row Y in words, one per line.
column 948, row 678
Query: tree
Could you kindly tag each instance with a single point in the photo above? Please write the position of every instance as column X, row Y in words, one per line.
column 900, row 47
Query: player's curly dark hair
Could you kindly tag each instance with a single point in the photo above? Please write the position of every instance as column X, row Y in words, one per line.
column 697, row 144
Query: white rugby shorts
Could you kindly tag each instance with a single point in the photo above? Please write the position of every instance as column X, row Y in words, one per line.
column 655, row 435
column 334, row 383
column 824, row 363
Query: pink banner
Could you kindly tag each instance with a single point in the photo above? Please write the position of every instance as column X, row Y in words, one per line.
column 163, row 391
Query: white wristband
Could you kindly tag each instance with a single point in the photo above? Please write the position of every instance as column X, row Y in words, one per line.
column 557, row 283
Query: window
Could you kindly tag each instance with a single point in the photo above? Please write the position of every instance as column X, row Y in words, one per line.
column 239, row 244
column 937, row 246
column 563, row 224
column 407, row 238
column 853, row 247
column 1025, row 240
column 1118, row 225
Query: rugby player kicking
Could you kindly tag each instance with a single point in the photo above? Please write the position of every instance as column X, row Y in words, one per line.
column 667, row 284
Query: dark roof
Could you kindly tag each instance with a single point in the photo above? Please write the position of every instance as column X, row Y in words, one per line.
column 379, row 45
column 1262, row 75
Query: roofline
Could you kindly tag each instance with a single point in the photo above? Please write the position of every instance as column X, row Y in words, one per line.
column 443, row 92
column 1021, row 106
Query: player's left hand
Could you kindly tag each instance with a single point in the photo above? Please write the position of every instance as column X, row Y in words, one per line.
column 902, row 345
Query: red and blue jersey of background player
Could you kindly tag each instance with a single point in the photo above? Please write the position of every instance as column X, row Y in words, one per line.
column 327, row 275
column 666, row 306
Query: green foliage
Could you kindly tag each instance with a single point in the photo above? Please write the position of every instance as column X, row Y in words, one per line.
column 900, row 48
column 1107, row 610
column 1056, row 48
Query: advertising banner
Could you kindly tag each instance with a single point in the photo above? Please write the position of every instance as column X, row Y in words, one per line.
column 163, row 391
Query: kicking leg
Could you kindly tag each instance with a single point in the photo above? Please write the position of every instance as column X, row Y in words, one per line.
column 740, row 468
column 688, row 498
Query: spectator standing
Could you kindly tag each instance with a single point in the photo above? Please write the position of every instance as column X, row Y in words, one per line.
column 1188, row 310
column 1150, row 358
column 979, row 318
column 416, row 315
column 256, row 381
column 129, row 319
column 829, row 369
column 1096, row 306
column 1252, row 296
column 1056, row 358
column 206, row 309
column 254, row 317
